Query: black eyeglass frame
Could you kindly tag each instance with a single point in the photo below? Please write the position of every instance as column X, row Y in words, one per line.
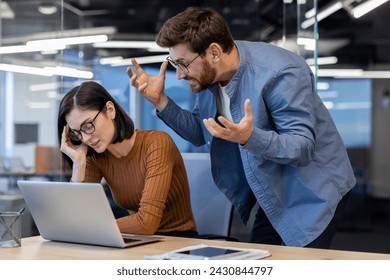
column 183, row 67
column 77, row 135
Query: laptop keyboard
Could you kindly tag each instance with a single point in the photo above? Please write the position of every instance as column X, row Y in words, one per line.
column 129, row 240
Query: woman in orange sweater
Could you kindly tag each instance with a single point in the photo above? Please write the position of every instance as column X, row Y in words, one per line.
column 143, row 168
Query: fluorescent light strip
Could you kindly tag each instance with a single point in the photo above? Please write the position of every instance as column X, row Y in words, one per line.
column 310, row 13
column 69, row 72
column 323, row 85
column 5, row 11
column 141, row 60
column 24, row 69
column 50, row 86
column 127, row 44
column 25, row 48
column 69, row 40
column 352, row 105
column 47, row 71
column 308, row 43
column 322, row 60
column 150, row 45
column 322, row 14
column 366, row 7
column 309, row 47
column 53, row 94
column 43, row 87
column 340, row 73
column 110, row 60
column 108, row 30
column 47, row 9
column 328, row 104
column 329, row 10
column 39, row 105
column 307, row 23
column 305, row 41
column 52, row 44
column 376, row 74
column 352, row 73
column 347, row 105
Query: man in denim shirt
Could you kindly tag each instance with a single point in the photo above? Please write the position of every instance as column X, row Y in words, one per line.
column 271, row 139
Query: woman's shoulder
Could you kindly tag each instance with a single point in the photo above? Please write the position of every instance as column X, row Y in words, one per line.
column 153, row 136
column 153, row 133
column 153, row 140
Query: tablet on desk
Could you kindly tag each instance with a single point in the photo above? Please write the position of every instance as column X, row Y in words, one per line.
column 207, row 252
column 211, row 252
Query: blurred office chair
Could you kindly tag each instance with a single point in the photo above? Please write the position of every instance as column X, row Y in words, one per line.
column 13, row 168
column 47, row 159
column 212, row 210
column 16, row 165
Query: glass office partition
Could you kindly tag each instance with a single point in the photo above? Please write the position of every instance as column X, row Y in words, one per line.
column 33, row 82
column 34, row 73
column 307, row 32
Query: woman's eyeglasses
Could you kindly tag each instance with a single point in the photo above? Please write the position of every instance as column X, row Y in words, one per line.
column 183, row 67
column 87, row 128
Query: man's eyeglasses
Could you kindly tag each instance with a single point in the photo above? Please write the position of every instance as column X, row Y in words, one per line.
column 87, row 128
column 183, row 67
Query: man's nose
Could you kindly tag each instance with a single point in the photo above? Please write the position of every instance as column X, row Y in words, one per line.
column 180, row 74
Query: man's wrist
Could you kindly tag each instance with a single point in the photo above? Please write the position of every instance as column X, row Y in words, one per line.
column 161, row 106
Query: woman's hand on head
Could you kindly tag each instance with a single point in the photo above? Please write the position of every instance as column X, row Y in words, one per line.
column 75, row 152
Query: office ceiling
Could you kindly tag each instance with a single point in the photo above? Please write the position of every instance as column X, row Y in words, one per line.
column 363, row 42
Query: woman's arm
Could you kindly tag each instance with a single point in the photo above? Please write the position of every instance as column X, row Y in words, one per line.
column 159, row 167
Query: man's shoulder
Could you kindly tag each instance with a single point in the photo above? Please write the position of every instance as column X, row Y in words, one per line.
column 267, row 55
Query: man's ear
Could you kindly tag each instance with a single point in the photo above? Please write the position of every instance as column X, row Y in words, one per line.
column 215, row 51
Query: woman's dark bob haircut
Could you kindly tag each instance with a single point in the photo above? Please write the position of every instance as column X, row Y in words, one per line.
column 92, row 96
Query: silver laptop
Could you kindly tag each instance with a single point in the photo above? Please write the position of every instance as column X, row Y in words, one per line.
column 77, row 213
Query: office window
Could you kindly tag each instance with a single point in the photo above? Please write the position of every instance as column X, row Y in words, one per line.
column 26, row 133
column 180, row 92
column 349, row 103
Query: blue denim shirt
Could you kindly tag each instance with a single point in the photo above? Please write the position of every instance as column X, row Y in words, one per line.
column 295, row 164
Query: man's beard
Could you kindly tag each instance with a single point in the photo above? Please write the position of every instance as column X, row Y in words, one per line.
column 206, row 79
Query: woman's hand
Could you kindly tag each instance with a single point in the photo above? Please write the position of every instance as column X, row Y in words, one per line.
column 77, row 153
column 74, row 152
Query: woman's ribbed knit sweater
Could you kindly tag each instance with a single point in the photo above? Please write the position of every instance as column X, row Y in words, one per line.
column 151, row 182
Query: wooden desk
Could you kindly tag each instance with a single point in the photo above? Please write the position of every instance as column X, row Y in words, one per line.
column 36, row 248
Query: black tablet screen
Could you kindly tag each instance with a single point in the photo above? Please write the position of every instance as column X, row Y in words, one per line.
column 209, row 252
